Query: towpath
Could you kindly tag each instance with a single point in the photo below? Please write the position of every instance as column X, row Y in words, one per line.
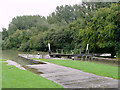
column 73, row 78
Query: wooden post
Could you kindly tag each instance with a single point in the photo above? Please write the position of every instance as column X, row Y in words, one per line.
column 86, row 58
column 42, row 56
column 62, row 51
column 82, row 57
column 57, row 51
column 80, row 50
column 72, row 52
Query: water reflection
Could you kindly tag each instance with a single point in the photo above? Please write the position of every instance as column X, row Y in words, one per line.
column 13, row 55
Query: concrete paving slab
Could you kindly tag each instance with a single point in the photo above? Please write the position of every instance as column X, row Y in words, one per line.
column 73, row 78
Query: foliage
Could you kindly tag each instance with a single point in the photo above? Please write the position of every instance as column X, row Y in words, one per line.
column 68, row 28
column 4, row 33
column 27, row 22
column 100, row 32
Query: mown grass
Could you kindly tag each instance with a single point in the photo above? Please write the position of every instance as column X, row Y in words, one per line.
column 90, row 67
column 13, row 77
column 0, row 75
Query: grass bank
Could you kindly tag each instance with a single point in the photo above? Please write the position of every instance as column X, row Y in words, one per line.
column 98, row 69
column 0, row 75
column 13, row 77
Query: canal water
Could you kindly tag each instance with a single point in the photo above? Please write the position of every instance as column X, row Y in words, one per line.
column 13, row 55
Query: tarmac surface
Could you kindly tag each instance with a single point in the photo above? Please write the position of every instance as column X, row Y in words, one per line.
column 73, row 78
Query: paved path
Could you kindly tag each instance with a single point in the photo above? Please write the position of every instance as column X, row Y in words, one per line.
column 73, row 78
column 10, row 62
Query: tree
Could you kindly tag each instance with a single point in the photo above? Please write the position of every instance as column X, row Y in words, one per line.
column 4, row 33
column 102, row 31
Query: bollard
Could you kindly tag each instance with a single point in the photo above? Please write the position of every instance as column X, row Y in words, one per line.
column 73, row 58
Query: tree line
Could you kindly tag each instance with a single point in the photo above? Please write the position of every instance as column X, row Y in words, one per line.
column 68, row 28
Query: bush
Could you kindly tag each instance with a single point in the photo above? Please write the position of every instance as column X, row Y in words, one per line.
column 118, row 55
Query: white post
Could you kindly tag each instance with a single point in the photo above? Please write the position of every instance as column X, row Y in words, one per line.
column 87, row 48
column 49, row 46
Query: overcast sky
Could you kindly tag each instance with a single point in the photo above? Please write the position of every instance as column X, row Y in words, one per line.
column 12, row 8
